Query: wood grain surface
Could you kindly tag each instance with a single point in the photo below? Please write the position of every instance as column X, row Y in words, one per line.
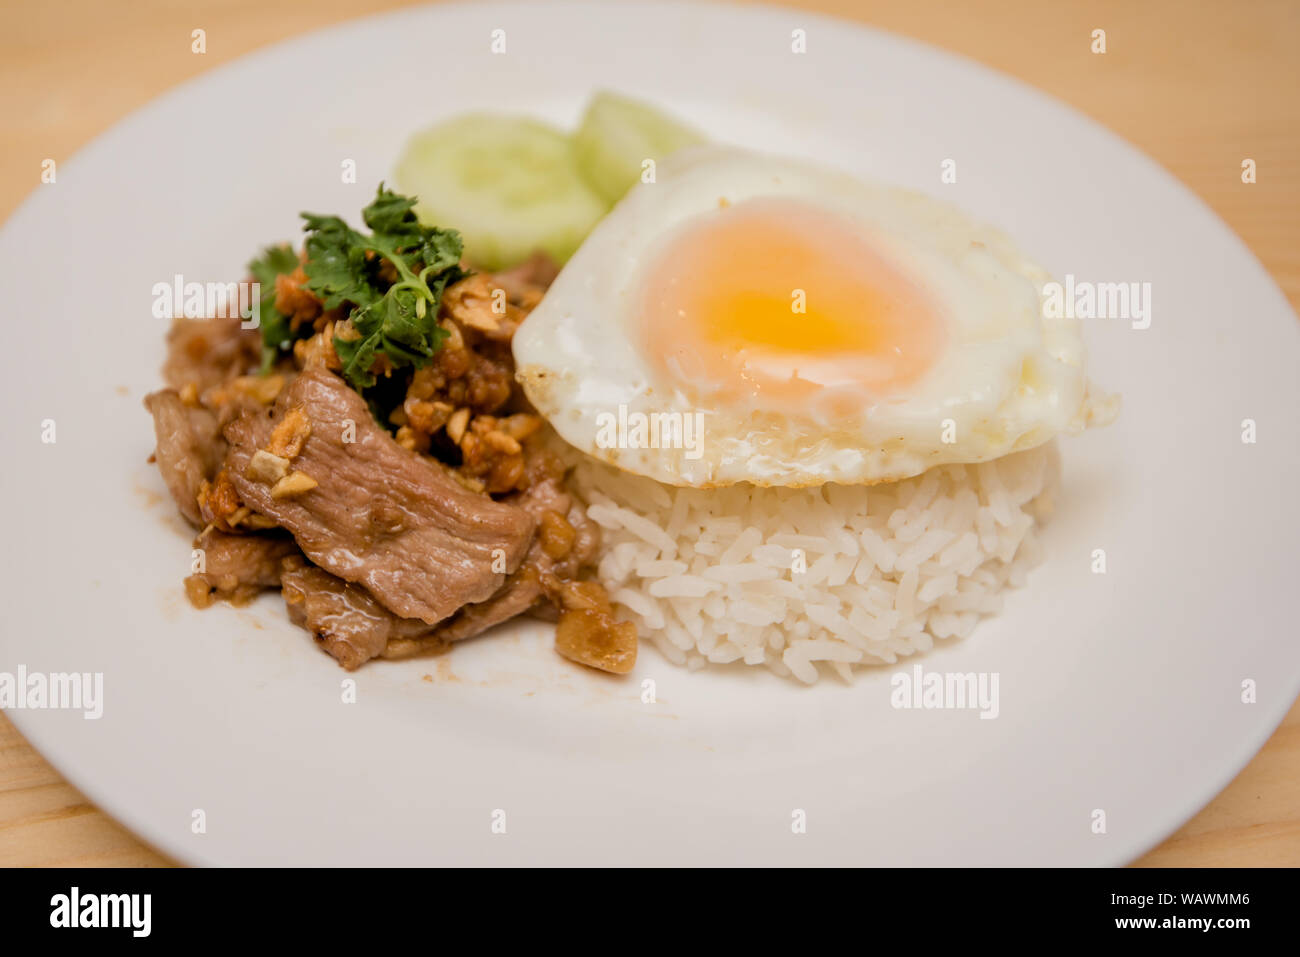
column 1199, row 86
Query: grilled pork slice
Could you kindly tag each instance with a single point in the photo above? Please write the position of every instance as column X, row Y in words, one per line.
column 369, row 511
column 353, row 627
column 202, row 353
column 520, row 593
column 237, row 567
column 189, row 448
column 346, row 620
column 566, row 541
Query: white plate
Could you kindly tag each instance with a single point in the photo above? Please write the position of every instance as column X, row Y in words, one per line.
column 1120, row 692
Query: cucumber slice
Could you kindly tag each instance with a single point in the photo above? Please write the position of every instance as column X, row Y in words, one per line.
column 508, row 184
column 617, row 135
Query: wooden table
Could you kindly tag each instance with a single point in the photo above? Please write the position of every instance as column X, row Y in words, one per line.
column 1198, row 86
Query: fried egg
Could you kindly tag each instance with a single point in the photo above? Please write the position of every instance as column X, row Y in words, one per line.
column 745, row 318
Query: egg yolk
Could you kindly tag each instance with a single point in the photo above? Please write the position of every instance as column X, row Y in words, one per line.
column 779, row 300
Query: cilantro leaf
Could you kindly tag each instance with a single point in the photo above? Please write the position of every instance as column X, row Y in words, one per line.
column 395, row 318
column 338, row 269
column 273, row 324
column 393, row 217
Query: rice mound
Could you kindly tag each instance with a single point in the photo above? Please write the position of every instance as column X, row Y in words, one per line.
column 825, row 577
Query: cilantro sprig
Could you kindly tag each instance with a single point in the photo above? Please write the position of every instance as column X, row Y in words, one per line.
column 274, row 325
column 399, row 318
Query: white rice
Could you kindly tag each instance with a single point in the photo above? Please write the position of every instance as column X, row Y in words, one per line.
column 829, row 577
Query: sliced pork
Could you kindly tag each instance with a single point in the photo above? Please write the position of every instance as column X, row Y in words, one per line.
column 344, row 618
column 202, row 353
column 366, row 509
column 237, row 567
column 189, row 448
column 565, row 541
